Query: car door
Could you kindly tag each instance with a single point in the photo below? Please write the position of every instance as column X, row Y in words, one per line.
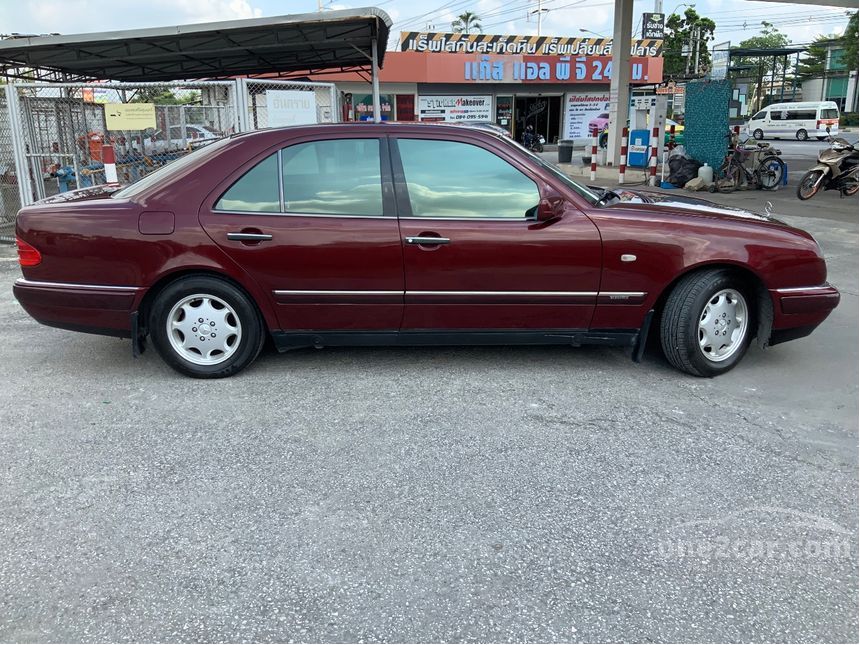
column 475, row 256
column 314, row 224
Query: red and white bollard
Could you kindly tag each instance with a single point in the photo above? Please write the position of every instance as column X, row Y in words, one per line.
column 622, row 158
column 594, row 154
column 109, row 160
column 652, row 162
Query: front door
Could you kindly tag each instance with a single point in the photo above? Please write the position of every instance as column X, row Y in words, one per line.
column 314, row 224
column 474, row 255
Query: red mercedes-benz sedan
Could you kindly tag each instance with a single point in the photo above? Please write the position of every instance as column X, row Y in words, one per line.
column 408, row 234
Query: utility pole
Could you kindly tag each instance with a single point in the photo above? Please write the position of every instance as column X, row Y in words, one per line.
column 539, row 11
column 698, row 44
column 658, row 6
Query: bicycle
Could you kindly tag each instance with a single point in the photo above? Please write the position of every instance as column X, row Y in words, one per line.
column 768, row 172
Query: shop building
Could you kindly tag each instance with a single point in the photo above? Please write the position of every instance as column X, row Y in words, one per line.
column 558, row 94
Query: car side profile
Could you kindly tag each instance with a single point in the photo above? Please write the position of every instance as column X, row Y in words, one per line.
column 408, row 234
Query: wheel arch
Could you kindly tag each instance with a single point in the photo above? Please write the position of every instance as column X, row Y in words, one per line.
column 167, row 279
column 763, row 301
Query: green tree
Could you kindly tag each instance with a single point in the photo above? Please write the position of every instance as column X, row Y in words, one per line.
column 161, row 96
column 849, row 40
column 466, row 22
column 683, row 34
column 814, row 60
column 768, row 69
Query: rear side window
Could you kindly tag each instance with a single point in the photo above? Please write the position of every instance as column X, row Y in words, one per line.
column 333, row 177
column 454, row 179
column 256, row 191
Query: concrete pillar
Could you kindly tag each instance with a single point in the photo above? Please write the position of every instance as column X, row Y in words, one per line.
column 619, row 88
column 374, row 71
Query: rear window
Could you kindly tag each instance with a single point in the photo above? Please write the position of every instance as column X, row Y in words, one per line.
column 829, row 113
column 167, row 171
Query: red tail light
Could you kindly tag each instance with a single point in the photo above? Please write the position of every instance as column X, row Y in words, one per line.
column 28, row 256
column 818, row 124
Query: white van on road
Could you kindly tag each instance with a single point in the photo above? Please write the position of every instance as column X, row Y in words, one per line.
column 795, row 120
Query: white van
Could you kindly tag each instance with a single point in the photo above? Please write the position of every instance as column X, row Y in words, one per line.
column 795, row 120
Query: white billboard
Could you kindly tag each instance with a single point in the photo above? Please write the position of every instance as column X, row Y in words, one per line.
column 290, row 107
column 455, row 108
column 580, row 109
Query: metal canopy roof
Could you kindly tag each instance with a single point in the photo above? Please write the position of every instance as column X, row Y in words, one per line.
column 310, row 42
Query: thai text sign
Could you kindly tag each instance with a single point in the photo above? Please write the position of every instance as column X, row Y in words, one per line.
column 580, row 110
column 129, row 116
column 455, row 108
column 548, row 69
column 290, row 107
column 524, row 45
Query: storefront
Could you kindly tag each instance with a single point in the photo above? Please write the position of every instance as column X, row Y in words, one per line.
column 556, row 85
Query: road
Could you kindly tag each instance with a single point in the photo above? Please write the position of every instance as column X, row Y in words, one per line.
column 493, row 494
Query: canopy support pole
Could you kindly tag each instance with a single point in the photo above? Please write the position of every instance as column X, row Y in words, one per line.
column 374, row 72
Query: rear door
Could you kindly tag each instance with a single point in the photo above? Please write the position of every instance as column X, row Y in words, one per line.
column 314, row 223
column 475, row 258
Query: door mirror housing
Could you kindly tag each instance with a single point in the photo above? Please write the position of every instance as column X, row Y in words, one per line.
column 551, row 207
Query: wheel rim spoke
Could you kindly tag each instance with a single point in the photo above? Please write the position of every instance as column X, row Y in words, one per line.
column 204, row 329
column 723, row 325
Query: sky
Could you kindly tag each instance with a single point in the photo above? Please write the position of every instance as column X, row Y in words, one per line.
column 736, row 19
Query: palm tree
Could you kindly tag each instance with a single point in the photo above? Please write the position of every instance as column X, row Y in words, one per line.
column 466, row 22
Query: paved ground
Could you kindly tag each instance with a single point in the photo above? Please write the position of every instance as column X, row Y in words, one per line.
column 419, row 495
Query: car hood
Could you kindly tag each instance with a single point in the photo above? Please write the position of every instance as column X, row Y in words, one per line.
column 687, row 205
column 101, row 191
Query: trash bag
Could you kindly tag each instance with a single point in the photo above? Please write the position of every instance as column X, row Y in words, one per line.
column 682, row 170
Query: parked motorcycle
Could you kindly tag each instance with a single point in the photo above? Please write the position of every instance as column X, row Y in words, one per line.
column 533, row 142
column 836, row 170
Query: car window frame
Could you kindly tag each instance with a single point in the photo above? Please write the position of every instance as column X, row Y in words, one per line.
column 389, row 208
column 401, row 189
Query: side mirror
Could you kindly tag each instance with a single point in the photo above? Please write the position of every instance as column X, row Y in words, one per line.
column 550, row 207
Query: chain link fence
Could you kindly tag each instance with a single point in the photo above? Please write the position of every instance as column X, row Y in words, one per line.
column 52, row 135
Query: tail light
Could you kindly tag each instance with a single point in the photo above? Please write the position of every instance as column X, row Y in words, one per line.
column 28, row 256
column 818, row 124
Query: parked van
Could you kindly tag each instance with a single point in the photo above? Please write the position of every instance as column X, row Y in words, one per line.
column 795, row 120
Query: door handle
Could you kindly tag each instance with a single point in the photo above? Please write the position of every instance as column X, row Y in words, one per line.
column 248, row 237
column 427, row 240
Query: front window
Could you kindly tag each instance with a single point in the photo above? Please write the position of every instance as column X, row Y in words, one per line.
column 454, row 179
column 761, row 115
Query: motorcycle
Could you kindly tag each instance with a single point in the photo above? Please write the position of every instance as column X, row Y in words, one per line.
column 534, row 142
column 836, row 170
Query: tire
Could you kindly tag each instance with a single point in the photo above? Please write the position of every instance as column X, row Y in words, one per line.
column 770, row 173
column 802, row 135
column 809, row 184
column 758, row 134
column 231, row 322
column 690, row 342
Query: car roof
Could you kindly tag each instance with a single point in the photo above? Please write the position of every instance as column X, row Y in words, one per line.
column 385, row 127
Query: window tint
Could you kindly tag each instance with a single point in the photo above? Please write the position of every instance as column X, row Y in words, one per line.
column 453, row 179
column 256, row 191
column 760, row 115
column 801, row 115
column 337, row 177
column 829, row 113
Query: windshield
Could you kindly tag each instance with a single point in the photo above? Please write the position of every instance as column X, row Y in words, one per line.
column 159, row 175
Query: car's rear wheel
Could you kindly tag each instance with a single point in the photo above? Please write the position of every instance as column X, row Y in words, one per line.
column 802, row 135
column 707, row 323
column 758, row 134
column 205, row 327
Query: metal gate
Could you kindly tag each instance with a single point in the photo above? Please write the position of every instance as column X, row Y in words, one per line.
column 52, row 135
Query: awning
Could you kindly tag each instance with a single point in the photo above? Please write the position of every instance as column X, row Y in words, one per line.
column 286, row 45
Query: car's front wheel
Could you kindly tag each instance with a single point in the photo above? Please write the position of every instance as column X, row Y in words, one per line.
column 205, row 327
column 707, row 323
